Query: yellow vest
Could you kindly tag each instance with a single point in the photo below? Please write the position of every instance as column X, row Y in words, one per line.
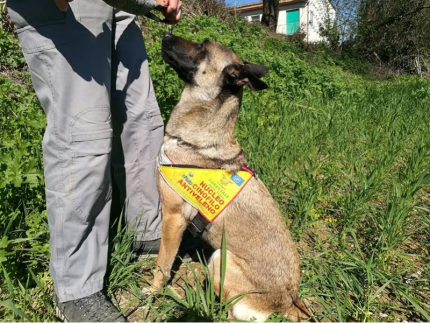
column 208, row 190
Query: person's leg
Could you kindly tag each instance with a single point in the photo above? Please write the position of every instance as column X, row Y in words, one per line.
column 69, row 57
column 138, row 129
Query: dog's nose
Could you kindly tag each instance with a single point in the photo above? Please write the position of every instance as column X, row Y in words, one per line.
column 168, row 36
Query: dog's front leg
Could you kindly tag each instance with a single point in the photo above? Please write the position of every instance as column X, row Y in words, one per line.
column 172, row 229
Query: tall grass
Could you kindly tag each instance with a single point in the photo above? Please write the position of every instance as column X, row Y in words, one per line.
column 352, row 177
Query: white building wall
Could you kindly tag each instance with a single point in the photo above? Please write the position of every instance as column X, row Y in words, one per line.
column 320, row 12
column 247, row 15
column 312, row 15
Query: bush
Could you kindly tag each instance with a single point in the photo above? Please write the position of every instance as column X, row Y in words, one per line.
column 10, row 52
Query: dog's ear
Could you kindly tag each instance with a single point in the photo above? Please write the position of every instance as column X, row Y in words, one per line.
column 257, row 70
column 246, row 74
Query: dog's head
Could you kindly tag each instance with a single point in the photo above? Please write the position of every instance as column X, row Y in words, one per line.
column 210, row 66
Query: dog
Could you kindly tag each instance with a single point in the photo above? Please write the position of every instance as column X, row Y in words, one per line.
column 262, row 260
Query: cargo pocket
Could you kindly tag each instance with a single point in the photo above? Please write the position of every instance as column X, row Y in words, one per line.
column 26, row 13
column 155, row 132
column 91, row 133
column 42, row 26
column 91, row 142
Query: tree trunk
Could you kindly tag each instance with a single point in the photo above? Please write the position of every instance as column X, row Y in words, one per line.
column 270, row 14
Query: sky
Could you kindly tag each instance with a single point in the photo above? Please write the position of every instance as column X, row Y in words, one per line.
column 238, row 2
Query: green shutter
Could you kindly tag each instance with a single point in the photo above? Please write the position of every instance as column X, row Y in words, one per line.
column 293, row 21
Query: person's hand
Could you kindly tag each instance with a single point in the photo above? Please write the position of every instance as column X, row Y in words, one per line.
column 172, row 10
column 62, row 4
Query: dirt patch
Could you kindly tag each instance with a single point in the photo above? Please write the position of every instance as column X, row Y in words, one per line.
column 12, row 74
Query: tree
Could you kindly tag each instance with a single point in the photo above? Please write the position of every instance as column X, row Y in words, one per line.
column 347, row 18
column 396, row 31
column 270, row 14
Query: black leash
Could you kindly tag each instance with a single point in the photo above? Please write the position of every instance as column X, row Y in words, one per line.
column 151, row 16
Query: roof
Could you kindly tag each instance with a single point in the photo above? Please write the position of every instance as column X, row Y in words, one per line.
column 259, row 5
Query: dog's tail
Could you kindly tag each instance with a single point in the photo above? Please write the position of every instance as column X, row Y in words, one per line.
column 298, row 311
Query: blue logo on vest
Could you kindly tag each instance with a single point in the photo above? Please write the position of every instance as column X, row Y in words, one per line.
column 237, row 179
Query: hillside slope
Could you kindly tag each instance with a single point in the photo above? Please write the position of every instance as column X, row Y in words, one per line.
column 345, row 155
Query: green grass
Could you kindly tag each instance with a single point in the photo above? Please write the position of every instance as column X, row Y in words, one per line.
column 345, row 155
column 351, row 175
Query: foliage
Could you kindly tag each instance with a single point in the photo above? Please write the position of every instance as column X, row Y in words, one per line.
column 345, row 156
column 347, row 19
column 23, row 227
column 397, row 31
column 217, row 8
column 389, row 32
column 10, row 51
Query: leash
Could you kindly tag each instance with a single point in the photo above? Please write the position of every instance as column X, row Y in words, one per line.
column 155, row 18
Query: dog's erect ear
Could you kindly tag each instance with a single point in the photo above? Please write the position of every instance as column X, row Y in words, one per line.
column 247, row 74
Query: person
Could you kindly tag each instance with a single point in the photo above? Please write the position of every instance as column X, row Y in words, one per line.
column 89, row 68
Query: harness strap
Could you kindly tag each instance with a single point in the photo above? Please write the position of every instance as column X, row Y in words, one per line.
column 198, row 225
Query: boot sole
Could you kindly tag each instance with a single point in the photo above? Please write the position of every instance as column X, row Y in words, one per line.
column 60, row 315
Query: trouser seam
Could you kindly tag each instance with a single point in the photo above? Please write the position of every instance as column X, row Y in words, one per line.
column 136, row 141
column 60, row 256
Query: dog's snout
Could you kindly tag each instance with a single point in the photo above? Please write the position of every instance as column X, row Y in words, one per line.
column 168, row 36
column 168, row 41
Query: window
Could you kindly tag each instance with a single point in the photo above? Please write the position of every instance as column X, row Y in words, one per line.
column 255, row 18
column 293, row 21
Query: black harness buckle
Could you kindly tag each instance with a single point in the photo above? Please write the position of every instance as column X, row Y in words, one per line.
column 198, row 225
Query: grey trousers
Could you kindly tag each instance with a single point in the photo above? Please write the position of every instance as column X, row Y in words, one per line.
column 90, row 71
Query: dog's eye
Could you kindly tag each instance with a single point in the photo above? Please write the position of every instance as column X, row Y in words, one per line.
column 200, row 47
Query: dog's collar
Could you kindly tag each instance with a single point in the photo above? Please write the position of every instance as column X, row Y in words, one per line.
column 182, row 142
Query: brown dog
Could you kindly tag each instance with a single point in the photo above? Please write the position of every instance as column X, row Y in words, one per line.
column 260, row 252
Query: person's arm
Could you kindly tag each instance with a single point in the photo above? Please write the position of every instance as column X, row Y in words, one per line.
column 137, row 7
column 171, row 9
